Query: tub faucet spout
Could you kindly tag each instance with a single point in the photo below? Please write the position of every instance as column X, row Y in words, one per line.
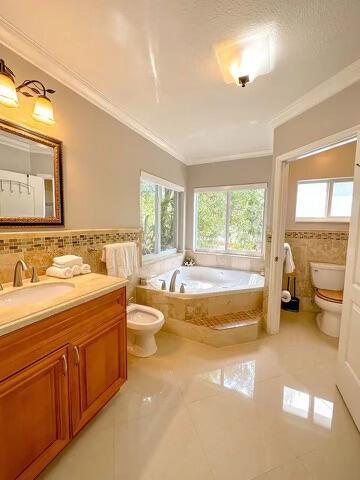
column 173, row 281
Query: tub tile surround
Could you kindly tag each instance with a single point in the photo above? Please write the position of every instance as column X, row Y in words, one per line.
column 217, row 320
column 39, row 248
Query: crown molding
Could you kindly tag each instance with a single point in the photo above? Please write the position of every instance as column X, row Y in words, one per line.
column 335, row 84
column 17, row 41
column 228, row 158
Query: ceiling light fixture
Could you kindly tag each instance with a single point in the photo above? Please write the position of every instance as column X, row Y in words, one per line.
column 245, row 59
column 43, row 109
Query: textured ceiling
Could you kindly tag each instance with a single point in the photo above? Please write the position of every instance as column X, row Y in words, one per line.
column 154, row 59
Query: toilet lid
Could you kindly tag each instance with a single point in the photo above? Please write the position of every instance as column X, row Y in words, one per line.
column 335, row 296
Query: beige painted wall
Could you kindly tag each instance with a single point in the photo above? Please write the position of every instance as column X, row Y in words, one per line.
column 337, row 113
column 102, row 157
column 338, row 162
column 235, row 172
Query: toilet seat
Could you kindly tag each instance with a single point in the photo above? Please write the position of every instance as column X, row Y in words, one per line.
column 334, row 296
column 142, row 317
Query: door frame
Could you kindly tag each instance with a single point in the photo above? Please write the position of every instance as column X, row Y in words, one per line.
column 279, row 187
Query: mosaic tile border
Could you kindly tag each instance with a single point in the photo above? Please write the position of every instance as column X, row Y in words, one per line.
column 312, row 235
column 23, row 242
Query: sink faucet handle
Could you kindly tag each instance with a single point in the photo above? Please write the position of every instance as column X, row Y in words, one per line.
column 34, row 275
column 182, row 287
column 163, row 284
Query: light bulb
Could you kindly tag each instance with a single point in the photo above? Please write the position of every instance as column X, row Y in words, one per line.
column 43, row 110
column 8, row 95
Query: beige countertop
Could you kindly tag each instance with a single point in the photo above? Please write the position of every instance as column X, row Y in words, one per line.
column 86, row 287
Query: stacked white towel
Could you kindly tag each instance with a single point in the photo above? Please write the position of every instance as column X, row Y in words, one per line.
column 66, row 261
column 121, row 259
column 67, row 266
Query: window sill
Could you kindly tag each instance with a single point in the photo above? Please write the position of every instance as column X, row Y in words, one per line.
column 235, row 255
column 159, row 257
column 323, row 220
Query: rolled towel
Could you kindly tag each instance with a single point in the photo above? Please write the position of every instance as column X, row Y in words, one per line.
column 65, row 261
column 59, row 272
column 285, row 296
column 85, row 268
column 76, row 270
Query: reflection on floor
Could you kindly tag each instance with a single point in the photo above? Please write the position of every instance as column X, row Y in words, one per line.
column 266, row 410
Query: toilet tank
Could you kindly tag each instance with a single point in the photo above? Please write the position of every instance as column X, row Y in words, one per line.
column 327, row 276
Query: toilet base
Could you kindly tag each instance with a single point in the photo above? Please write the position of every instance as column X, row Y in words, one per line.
column 329, row 323
column 141, row 345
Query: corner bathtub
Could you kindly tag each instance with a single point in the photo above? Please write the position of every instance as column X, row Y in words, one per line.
column 215, row 307
column 205, row 281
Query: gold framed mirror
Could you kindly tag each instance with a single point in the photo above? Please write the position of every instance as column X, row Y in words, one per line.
column 31, row 190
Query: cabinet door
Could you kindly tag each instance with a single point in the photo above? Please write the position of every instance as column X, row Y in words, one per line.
column 34, row 417
column 99, row 365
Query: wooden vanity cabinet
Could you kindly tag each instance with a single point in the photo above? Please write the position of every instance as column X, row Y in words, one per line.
column 55, row 375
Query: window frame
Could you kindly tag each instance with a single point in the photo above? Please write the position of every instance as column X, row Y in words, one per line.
column 329, row 198
column 161, row 183
column 228, row 189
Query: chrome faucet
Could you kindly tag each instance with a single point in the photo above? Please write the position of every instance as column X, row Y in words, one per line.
column 19, row 267
column 173, row 281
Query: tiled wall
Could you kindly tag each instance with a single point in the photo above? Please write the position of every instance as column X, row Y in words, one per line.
column 314, row 246
column 39, row 248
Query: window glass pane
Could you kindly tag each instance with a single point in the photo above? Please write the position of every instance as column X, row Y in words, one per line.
column 211, row 220
column 246, row 221
column 341, row 199
column 147, row 210
column 311, row 200
column 168, row 219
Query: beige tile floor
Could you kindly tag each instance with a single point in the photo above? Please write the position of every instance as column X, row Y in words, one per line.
column 266, row 410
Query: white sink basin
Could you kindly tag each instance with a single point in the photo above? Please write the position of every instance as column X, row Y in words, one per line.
column 35, row 293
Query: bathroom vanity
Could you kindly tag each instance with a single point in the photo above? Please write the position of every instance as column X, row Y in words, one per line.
column 61, row 360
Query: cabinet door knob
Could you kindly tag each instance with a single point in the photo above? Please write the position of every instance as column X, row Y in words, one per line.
column 65, row 364
column 77, row 355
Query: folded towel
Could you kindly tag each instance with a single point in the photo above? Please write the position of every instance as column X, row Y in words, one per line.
column 65, row 261
column 59, row 272
column 85, row 268
column 288, row 259
column 121, row 259
column 76, row 270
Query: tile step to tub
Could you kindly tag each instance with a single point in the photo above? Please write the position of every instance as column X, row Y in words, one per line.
column 231, row 320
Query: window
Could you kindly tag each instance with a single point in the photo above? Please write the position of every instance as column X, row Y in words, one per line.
column 159, row 207
column 327, row 200
column 230, row 219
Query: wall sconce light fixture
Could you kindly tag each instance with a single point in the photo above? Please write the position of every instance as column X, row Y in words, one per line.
column 43, row 109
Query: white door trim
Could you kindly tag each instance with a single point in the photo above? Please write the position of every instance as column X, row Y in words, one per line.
column 280, row 181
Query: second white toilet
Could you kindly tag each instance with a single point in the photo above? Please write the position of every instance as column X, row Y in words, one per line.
column 328, row 279
column 142, row 324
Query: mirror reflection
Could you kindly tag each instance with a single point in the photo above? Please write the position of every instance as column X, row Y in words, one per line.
column 26, row 178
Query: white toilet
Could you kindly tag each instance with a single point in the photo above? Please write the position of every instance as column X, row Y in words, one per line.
column 142, row 324
column 328, row 279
